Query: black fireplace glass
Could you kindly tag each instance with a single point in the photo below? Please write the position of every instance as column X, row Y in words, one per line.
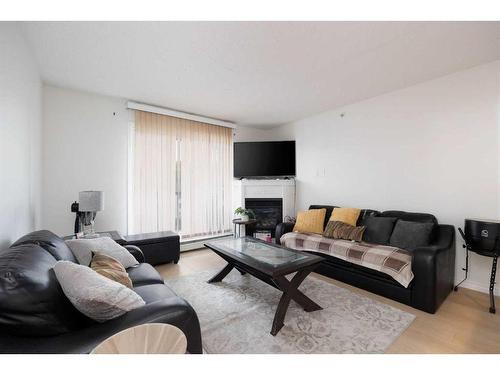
column 268, row 212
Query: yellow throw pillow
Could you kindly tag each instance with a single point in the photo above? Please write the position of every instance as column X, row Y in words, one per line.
column 310, row 221
column 345, row 215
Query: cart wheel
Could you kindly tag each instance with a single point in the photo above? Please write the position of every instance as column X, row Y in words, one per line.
column 492, row 310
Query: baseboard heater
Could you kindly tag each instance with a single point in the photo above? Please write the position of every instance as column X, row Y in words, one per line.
column 197, row 243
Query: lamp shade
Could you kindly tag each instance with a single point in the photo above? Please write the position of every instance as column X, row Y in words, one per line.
column 91, row 201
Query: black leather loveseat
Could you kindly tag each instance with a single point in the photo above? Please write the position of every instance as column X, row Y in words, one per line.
column 433, row 266
column 36, row 317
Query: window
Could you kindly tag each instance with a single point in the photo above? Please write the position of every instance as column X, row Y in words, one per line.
column 181, row 176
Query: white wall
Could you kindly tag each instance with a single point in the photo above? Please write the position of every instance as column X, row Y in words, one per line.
column 251, row 134
column 85, row 138
column 434, row 147
column 20, row 124
column 73, row 119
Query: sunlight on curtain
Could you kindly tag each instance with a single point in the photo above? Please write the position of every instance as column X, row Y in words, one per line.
column 181, row 176
column 206, row 155
column 153, row 186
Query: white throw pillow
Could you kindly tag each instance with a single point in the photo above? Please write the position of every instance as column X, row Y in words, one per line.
column 83, row 248
column 94, row 295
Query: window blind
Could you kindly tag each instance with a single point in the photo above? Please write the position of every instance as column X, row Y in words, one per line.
column 182, row 173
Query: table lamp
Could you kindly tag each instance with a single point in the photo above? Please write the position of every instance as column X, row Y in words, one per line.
column 90, row 202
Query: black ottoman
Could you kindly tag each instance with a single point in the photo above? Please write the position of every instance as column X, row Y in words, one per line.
column 158, row 247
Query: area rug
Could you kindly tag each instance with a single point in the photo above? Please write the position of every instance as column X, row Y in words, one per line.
column 236, row 317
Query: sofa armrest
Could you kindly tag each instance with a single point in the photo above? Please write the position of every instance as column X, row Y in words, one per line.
column 174, row 310
column 433, row 268
column 136, row 252
column 283, row 228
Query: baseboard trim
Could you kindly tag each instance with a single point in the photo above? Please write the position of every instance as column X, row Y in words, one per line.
column 479, row 287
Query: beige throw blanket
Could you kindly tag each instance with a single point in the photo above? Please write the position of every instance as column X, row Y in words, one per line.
column 390, row 260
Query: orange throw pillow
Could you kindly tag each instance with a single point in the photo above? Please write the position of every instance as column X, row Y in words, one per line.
column 310, row 221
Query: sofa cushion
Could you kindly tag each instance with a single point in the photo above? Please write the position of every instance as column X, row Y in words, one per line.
column 31, row 301
column 378, row 229
column 310, row 221
column 364, row 214
column 144, row 273
column 49, row 241
column 410, row 216
column 96, row 296
column 329, row 209
column 410, row 235
column 154, row 292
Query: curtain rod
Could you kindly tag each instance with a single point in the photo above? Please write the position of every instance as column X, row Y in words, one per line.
column 184, row 115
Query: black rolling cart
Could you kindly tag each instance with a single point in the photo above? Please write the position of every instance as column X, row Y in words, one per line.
column 483, row 238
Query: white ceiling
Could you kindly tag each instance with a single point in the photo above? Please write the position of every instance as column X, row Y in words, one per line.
column 255, row 73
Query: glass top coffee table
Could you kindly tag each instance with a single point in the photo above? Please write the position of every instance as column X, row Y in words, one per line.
column 269, row 263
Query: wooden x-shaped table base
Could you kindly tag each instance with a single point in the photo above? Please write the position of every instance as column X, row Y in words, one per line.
column 288, row 287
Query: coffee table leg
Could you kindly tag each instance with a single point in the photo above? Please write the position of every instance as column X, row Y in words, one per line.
column 240, row 270
column 223, row 273
column 290, row 291
column 279, row 316
column 306, row 303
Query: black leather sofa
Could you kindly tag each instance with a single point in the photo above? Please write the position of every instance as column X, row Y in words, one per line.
column 433, row 266
column 36, row 317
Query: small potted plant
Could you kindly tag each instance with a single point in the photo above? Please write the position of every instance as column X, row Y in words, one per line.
column 243, row 214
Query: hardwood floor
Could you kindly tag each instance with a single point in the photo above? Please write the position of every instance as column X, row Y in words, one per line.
column 461, row 325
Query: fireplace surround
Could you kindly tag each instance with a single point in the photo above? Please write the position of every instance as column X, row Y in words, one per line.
column 265, row 197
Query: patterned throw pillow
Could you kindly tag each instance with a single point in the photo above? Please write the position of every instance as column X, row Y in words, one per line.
column 310, row 221
column 112, row 269
column 343, row 231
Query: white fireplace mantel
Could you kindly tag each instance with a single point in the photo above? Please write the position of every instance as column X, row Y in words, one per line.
column 269, row 188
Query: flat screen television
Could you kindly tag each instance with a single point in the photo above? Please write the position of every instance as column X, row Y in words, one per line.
column 264, row 159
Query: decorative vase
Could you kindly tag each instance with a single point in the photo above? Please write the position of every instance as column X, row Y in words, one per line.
column 244, row 217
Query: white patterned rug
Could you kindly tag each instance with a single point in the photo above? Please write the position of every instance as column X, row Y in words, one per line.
column 236, row 317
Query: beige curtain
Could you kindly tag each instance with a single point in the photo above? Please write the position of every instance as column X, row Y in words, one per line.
column 153, row 187
column 182, row 176
column 206, row 170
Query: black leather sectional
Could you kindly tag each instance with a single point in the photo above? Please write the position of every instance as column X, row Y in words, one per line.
column 36, row 317
column 433, row 266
